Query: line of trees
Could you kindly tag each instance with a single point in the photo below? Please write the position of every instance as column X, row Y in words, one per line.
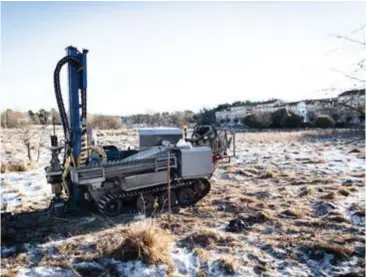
column 176, row 118
column 13, row 119
column 16, row 119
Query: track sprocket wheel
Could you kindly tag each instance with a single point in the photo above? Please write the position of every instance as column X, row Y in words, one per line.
column 145, row 203
column 163, row 200
column 202, row 188
column 186, row 197
column 110, row 205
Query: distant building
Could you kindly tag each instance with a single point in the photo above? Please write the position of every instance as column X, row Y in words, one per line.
column 307, row 109
column 299, row 107
column 234, row 115
column 268, row 106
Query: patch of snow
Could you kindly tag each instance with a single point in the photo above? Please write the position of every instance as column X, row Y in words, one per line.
column 43, row 271
column 86, row 220
column 185, row 261
column 345, row 206
column 7, row 251
column 138, row 269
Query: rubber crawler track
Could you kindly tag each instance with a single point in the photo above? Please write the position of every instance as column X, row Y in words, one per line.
column 23, row 231
column 122, row 196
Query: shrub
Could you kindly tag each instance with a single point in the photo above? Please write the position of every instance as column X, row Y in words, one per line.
column 229, row 264
column 283, row 118
column 105, row 122
column 258, row 120
column 324, row 121
column 340, row 125
column 16, row 167
column 14, row 119
column 306, row 125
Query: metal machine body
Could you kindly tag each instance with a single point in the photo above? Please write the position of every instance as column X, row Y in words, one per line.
column 124, row 181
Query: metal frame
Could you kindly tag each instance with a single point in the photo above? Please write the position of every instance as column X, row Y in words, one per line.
column 228, row 157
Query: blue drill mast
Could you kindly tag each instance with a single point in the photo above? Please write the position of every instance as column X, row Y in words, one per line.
column 77, row 83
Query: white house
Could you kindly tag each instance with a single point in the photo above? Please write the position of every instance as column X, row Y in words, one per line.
column 300, row 108
column 267, row 106
column 352, row 97
column 237, row 113
column 223, row 115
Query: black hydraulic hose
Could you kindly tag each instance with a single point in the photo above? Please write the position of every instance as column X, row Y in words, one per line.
column 60, row 102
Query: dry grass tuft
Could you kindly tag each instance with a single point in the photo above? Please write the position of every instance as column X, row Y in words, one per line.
column 248, row 171
column 49, row 261
column 344, row 192
column 294, row 213
column 268, row 174
column 66, row 248
column 207, row 237
column 201, row 273
column 228, row 264
column 307, row 191
column 322, row 180
column 330, row 196
column 266, row 215
column 10, row 273
column 16, row 167
column 260, row 268
column 353, row 189
column 311, row 160
column 339, row 251
column 356, row 150
column 362, row 155
column 22, row 259
column 5, row 184
column 202, row 254
column 358, row 208
column 250, row 200
column 358, row 174
column 139, row 242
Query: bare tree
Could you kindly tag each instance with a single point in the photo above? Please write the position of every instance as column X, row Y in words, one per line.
column 360, row 65
column 29, row 134
column 14, row 119
column 42, row 137
column 26, row 136
column 352, row 103
column 178, row 118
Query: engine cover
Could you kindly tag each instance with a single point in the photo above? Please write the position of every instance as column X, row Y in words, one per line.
column 196, row 162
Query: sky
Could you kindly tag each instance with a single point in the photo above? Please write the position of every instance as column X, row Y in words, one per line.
column 167, row 56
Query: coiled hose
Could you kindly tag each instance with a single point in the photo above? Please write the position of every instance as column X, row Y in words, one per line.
column 97, row 149
column 61, row 107
column 57, row 86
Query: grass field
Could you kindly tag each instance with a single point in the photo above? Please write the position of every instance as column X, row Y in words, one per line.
column 289, row 204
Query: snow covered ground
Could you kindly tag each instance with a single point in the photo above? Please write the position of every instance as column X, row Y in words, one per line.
column 301, row 203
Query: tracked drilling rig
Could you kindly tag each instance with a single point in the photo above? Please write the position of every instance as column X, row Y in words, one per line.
column 118, row 181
